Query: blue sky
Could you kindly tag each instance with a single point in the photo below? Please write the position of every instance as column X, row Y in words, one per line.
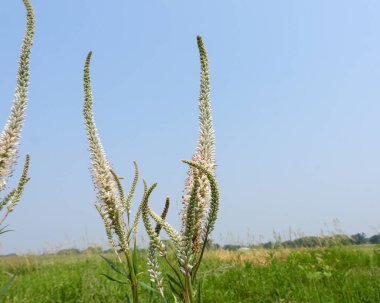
column 296, row 105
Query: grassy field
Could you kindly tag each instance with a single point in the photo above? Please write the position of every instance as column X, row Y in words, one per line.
column 336, row 274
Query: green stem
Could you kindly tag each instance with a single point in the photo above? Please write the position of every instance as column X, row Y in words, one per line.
column 196, row 267
column 134, row 293
column 132, row 277
column 188, row 291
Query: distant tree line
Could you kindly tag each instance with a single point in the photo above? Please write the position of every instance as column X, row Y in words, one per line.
column 308, row 241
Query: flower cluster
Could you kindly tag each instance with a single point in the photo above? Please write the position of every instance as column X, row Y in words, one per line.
column 200, row 203
column 205, row 155
column 10, row 136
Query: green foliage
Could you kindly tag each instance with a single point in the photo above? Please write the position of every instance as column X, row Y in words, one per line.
column 359, row 238
column 375, row 239
column 335, row 274
column 4, row 289
column 68, row 251
column 312, row 241
column 317, row 241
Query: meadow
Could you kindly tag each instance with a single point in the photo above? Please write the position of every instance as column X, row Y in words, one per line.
column 185, row 267
column 333, row 274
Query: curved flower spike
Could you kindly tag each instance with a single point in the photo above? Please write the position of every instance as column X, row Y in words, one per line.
column 204, row 154
column 10, row 136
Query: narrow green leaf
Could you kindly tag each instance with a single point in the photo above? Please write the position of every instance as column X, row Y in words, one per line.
column 173, row 280
column 4, row 289
column 199, row 297
column 113, row 279
column 174, row 290
column 114, row 266
column 175, row 299
column 148, row 287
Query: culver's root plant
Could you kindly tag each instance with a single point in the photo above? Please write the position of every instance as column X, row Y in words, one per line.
column 113, row 204
column 10, row 136
column 200, row 207
column 199, row 213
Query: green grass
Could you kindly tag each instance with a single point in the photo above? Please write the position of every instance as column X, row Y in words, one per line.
column 337, row 274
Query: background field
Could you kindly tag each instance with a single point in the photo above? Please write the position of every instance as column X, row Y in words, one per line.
column 334, row 274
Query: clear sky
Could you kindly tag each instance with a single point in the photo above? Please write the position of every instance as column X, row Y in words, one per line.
column 296, row 106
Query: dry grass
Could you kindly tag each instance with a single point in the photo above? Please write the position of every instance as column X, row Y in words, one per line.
column 258, row 256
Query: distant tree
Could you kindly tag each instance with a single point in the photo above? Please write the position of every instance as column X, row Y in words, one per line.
column 359, row 238
column 212, row 245
column 68, row 251
column 375, row 239
column 307, row 242
column 288, row 243
column 313, row 241
column 231, row 247
column 92, row 250
column 339, row 239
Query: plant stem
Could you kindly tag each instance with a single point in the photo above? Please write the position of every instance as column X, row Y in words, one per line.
column 134, row 292
column 132, row 277
column 196, row 267
column 188, row 291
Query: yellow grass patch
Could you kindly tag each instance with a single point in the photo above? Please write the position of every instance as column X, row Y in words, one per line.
column 256, row 256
